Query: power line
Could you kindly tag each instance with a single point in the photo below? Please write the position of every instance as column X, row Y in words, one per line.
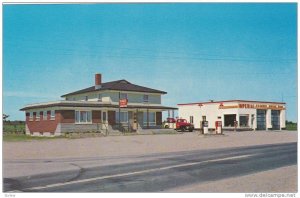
column 72, row 52
column 209, row 57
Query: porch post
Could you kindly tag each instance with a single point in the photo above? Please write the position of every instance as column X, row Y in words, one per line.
column 147, row 118
column 137, row 119
column 119, row 112
column 173, row 117
column 128, row 119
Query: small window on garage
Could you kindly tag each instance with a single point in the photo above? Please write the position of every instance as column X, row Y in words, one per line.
column 191, row 119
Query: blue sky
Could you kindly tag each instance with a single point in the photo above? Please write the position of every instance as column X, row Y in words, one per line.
column 195, row 52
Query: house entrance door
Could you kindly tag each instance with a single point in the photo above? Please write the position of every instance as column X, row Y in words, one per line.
column 104, row 120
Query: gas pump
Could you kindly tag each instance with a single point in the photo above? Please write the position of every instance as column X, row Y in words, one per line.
column 219, row 127
column 235, row 125
column 134, row 126
column 205, row 127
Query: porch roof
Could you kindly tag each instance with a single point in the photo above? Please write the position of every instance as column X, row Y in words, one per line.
column 74, row 104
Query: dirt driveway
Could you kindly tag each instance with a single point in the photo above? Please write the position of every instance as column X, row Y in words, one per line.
column 138, row 144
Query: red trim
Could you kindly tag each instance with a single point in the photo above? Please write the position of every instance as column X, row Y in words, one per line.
column 224, row 101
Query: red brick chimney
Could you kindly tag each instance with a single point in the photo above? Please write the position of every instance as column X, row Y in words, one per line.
column 98, row 82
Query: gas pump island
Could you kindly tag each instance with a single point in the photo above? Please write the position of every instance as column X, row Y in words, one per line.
column 218, row 128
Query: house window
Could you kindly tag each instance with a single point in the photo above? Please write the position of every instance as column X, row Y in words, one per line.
column 123, row 96
column 77, row 116
column 86, row 98
column 83, row 117
column 146, row 98
column 31, row 116
column 192, row 119
column 37, row 116
column 52, row 113
column 44, row 115
column 151, row 119
column 121, row 117
column 100, row 97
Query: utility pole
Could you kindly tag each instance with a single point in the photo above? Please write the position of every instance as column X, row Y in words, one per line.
column 119, row 112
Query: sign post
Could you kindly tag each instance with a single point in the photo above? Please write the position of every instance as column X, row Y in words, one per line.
column 122, row 103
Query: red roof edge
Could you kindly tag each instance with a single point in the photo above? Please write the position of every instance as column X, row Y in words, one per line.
column 224, row 101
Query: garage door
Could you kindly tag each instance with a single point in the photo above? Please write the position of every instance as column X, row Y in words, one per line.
column 261, row 119
column 275, row 117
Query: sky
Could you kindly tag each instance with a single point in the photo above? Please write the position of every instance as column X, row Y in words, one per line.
column 195, row 52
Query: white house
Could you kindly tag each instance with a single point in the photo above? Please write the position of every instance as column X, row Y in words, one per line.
column 110, row 106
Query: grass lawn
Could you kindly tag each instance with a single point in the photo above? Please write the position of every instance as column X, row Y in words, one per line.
column 291, row 126
column 22, row 137
column 13, row 128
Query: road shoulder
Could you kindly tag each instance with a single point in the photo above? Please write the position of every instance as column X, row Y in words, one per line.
column 282, row 179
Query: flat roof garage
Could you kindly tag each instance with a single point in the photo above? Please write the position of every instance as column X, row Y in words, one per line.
column 236, row 114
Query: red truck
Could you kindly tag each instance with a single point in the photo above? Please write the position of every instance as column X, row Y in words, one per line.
column 178, row 124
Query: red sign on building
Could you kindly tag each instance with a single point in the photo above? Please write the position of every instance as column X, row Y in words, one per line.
column 123, row 102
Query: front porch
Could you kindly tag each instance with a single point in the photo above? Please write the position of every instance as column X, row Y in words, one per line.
column 136, row 120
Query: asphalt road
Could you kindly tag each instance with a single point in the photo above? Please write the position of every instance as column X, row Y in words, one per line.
column 160, row 172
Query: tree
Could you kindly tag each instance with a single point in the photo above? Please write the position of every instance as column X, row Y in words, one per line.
column 4, row 116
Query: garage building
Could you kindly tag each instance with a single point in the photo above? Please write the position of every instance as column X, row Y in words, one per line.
column 239, row 114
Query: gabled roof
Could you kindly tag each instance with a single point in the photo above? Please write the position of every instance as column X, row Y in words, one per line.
column 119, row 85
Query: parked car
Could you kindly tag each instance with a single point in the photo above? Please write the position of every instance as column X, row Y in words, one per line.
column 178, row 124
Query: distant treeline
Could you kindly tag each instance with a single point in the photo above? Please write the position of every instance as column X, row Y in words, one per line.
column 291, row 126
column 290, row 122
column 15, row 122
